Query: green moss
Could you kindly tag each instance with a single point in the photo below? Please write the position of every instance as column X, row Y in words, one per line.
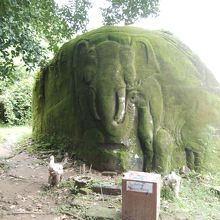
column 93, row 90
column 104, row 159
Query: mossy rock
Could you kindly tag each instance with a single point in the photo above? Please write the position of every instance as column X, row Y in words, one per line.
column 127, row 98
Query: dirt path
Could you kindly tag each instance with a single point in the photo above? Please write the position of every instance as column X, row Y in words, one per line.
column 25, row 195
column 11, row 137
column 22, row 183
column 23, row 180
column 6, row 148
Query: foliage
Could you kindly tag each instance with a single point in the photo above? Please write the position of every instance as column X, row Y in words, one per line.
column 212, row 150
column 29, row 28
column 129, row 11
column 167, row 193
column 23, row 25
column 15, row 101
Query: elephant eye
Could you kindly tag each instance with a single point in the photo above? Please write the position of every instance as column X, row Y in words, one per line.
column 133, row 97
column 91, row 52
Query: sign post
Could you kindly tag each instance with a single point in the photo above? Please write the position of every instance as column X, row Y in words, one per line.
column 140, row 196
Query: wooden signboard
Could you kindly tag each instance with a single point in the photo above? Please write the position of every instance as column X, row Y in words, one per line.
column 140, row 196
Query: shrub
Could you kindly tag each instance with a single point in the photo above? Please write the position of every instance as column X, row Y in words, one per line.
column 16, row 102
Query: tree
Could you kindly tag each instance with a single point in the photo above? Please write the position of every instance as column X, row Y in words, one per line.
column 25, row 25
column 128, row 11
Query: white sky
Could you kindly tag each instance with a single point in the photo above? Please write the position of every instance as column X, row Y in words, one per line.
column 194, row 22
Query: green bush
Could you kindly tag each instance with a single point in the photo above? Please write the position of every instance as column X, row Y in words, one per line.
column 16, row 102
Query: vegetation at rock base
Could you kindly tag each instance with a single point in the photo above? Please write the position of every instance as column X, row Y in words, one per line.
column 197, row 197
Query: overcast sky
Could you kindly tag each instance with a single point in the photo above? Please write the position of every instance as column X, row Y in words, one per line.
column 195, row 22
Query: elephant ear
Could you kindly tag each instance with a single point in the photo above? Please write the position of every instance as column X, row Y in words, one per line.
column 127, row 58
column 146, row 61
column 84, row 61
column 80, row 52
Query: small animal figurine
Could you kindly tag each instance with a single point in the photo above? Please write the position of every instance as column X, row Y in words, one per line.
column 55, row 172
column 173, row 181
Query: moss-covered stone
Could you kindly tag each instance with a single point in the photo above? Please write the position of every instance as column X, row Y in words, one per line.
column 127, row 98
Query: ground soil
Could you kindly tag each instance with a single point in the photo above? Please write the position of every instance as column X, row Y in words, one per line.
column 25, row 194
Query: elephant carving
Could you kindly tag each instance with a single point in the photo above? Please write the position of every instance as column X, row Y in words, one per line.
column 108, row 74
column 121, row 99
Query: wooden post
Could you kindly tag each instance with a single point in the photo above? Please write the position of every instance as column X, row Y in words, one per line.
column 84, row 169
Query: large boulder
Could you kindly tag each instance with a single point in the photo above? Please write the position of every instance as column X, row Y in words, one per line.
column 126, row 98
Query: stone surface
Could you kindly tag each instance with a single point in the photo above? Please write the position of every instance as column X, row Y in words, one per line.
column 103, row 213
column 164, row 216
column 109, row 173
column 124, row 98
column 181, row 216
column 107, row 189
column 199, row 217
column 216, row 189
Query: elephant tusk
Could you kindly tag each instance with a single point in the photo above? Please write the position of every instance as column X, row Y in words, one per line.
column 120, row 111
column 92, row 104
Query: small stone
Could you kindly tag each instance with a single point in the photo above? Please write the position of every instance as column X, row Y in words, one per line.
column 39, row 205
column 216, row 189
column 165, row 216
column 5, row 208
column 15, row 203
column 107, row 189
column 102, row 213
column 181, row 216
column 199, row 217
column 12, row 206
column 29, row 209
column 63, row 217
column 76, row 203
column 109, row 173
column 85, row 191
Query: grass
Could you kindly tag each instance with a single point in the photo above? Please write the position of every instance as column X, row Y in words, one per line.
column 196, row 198
column 15, row 137
column 19, row 133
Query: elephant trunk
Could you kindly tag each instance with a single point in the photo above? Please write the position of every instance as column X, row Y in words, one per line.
column 108, row 106
column 92, row 104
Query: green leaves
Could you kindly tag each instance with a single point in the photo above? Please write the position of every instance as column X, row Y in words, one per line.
column 15, row 97
column 128, row 11
column 30, row 29
column 16, row 101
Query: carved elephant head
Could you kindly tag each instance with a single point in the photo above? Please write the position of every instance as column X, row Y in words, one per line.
column 105, row 75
